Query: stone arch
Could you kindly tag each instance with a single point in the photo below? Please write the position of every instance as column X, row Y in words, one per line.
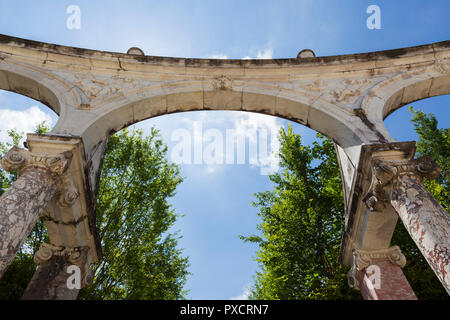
column 417, row 91
column 49, row 89
column 115, row 115
column 139, row 108
column 391, row 95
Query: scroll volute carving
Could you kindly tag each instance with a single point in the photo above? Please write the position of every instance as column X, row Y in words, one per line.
column 74, row 256
column 364, row 258
column 20, row 160
column 385, row 176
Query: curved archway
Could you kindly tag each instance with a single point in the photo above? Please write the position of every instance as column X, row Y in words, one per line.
column 30, row 88
column 402, row 90
column 216, row 203
column 295, row 108
column 22, row 114
column 49, row 89
column 402, row 118
column 419, row 90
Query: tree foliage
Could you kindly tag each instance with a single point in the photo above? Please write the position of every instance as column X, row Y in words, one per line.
column 302, row 220
column 141, row 259
column 301, row 224
column 140, row 255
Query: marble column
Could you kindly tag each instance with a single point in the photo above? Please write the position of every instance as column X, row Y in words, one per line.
column 378, row 275
column 39, row 180
column 400, row 183
column 60, row 275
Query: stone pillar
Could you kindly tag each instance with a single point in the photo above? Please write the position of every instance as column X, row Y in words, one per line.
column 60, row 275
column 400, row 183
column 378, row 275
column 23, row 203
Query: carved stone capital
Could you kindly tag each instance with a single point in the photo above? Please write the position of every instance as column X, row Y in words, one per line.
column 362, row 259
column 73, row 256
column 20, row 160
column 46, row 252
column 385, row 175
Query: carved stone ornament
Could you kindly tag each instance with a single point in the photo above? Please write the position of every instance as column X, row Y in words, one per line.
column 351, row 90
column 95, row 87
column 385, row 174
column 442, row 66
column 362, row 259
column 316, row 86
column 73, row 256
column 20, row 160
column 223, row 83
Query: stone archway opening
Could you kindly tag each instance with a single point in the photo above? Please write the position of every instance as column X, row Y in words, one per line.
column 23, row 114
column 402, row 117
column 29, row 85
column 216, row 198
column 345, row 97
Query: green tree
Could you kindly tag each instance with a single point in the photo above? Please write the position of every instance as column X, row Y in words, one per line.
column 302, row 220
column 301, row 224
column 141, row 259
column 140, row 256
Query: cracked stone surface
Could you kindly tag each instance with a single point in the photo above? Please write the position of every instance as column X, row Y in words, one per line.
column 20, row 207
column 427, row 222
column 393, row 284
column 49, row 282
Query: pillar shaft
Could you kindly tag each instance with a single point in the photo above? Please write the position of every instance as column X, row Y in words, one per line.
column 27, row 198
column 20, row 207
column 378, row 274
column 427, row 222
column 60, row 275
column 49, row 282
column 385, row 281
column 400, row 183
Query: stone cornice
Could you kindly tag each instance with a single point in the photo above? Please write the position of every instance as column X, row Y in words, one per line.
column 97, row 54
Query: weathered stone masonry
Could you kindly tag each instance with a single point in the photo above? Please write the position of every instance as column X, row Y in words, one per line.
column 344, row 97
column 23, row 203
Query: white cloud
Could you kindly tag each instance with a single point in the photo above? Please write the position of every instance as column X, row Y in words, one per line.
column 23, row 121
column 262, row 54
column 265, row 54
column 211, row 169
column 244, row 295
column 260, row 132
column 217, row 56
column 264, row 127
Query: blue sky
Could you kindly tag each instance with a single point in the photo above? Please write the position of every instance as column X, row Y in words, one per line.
column 216, row 199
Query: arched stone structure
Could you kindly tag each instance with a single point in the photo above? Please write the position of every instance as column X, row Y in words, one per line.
column 344, row 97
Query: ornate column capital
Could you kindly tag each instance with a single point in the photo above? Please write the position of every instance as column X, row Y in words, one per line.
column 386, row 173
column 21, row 160
column 364, row 258
column 73, row 256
